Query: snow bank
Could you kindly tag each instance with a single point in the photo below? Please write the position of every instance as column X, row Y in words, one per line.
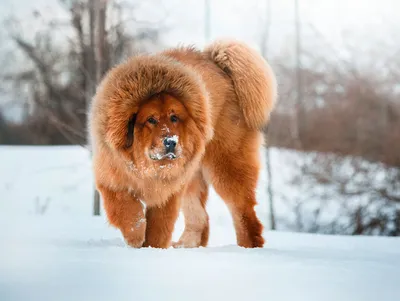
column 53, row 249
column 47, row 258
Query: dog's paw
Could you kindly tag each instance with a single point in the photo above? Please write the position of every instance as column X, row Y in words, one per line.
column 257, row 241
column 134, row 236
column 181, row 244
column 189, row 239
column 177, row 244
column 134, row 242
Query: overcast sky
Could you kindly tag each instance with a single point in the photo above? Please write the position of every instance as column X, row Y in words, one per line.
column 365, row 21
column 243, row 18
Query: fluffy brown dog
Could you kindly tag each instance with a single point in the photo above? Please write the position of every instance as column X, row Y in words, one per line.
column 165, row 126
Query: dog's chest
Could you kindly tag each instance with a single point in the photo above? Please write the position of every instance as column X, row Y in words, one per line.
column 159, row 193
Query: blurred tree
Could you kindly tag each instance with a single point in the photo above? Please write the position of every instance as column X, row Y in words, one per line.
column 60, row 75
column 62, row 78
column 369, row 202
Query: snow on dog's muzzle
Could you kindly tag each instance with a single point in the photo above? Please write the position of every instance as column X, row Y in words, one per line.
column 170, row 151
column 170, row 144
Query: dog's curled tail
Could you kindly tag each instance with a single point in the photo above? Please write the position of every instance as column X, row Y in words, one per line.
column 253, row 79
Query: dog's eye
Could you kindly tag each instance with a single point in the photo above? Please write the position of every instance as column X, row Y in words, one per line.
column 174, row 118
column 152, row 120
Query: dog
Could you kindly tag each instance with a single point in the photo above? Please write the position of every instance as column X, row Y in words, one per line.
column 165, row 126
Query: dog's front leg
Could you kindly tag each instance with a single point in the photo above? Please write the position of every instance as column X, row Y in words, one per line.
column 125, row 212
column 160, row 223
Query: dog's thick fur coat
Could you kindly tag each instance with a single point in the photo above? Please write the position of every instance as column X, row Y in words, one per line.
column 225, row 95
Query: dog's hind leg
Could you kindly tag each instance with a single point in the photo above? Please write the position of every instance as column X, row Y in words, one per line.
column 234, row 176
column 196, row 218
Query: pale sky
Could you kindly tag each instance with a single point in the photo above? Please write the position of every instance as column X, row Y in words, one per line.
column 243, row 19
column 364, row 22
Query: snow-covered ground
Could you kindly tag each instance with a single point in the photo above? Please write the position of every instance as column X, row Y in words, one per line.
column 51, row 248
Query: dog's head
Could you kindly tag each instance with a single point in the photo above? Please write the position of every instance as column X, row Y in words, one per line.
column 153, row 113
column 162, row 137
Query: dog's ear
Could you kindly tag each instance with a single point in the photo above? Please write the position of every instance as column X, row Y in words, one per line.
column 130, row 130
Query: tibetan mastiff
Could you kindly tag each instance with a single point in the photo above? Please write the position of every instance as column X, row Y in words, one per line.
column 165, row 126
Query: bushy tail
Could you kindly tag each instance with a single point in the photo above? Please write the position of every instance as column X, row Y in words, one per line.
column 253, row 79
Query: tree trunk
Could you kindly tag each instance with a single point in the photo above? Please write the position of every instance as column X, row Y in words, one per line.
column 299, row 114
column 269, row 190
column 97, row 15
column 264, row 49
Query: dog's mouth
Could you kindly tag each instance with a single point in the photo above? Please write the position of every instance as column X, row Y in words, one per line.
column 159, row 157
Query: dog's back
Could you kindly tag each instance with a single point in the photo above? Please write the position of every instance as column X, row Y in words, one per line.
column 232, row 71
column 218, row 84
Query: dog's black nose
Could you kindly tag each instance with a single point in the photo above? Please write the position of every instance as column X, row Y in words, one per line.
column 170, row 144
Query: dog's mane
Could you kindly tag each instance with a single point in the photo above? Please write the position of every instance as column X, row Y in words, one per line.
column 127, row 86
